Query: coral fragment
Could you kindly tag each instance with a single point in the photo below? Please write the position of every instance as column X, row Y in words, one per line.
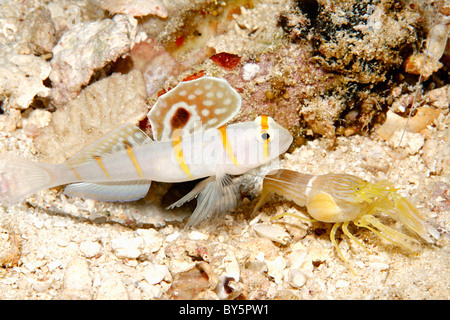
column 226, row 60
column 137, row 8
column 85, row 48
column 99, row 108
column 21, row 79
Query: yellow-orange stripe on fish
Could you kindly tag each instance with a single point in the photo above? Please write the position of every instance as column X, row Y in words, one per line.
column 227, row 145
column 265, row 129
column 178, row 150
column 76, row 173
column 100, row 163
column 133, row 159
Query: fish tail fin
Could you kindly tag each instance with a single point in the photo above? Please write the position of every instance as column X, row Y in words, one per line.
column 20, row 178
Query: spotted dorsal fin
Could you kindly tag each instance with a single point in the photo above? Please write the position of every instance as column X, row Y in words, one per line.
column 122, row 138
column 202, row 103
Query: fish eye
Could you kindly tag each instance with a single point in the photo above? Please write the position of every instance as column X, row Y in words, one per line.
column 265, row 136
column 357, row 189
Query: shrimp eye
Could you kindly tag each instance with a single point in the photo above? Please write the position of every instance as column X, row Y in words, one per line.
column 357, row 188
column 265, row 136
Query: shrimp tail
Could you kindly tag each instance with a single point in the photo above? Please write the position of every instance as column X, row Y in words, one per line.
column 411, row 218
column 20, row 178
column 368, row 221
column 262, row 200
column 382, row 197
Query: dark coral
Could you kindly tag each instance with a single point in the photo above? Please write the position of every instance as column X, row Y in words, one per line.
column 360, row 44
column 362, row 40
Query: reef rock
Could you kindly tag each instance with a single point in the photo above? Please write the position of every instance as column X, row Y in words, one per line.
column 85, row 48
column 98, row 109
column 21, row 79
column 137, row 8
column 359, row 39
column 39, row 32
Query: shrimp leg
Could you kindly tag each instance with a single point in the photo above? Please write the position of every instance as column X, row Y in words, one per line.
column 348, row 234
column 292, row 215
column 387, row 233
column 336, row 245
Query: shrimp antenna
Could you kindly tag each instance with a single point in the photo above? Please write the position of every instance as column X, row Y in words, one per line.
column 413, row 108
column 272, row 179
column 434, row 48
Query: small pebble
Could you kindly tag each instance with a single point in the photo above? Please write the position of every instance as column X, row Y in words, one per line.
column 155, row 273
column 231, row 267
column 379, row 266
column 90, row 249
column 77, row 282
column 296, row 278
column 62, row 241
column 172, row 237
column 296, row 258
column 260, row 257
column 53, row 265
column 195, row 235
column 30, row 266
column 127, row 248
column 275, row 268
column 150, row 291
column 112, row 288
column 272, row 232
column 249, row 71
column 412, row 142
column 40, row 286
column 38, row 224
column 152, row 238
column 342, row 284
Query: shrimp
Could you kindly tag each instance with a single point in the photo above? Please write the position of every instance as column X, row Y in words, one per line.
column 342, row 199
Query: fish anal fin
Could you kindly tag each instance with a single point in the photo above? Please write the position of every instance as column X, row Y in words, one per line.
column 121, row 138
column 109, row 191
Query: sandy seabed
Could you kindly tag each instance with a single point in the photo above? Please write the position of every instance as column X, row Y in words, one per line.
column 54, row 247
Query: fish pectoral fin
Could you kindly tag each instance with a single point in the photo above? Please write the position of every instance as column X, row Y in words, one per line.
column 216, row 195
column 192, row 194
column 109, row 191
